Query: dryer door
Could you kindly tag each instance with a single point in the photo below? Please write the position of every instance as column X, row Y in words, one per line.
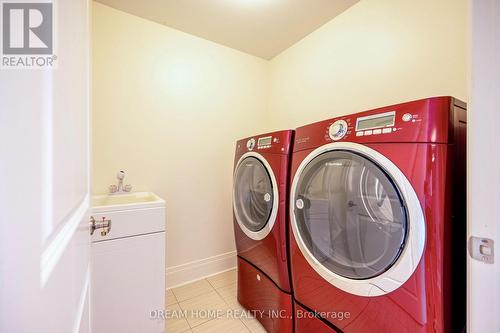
column 352, row 219
column 255, row 195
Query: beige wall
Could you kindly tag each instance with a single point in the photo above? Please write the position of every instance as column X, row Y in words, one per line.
column 167, row 109
column 377, row 53
column 168, row 106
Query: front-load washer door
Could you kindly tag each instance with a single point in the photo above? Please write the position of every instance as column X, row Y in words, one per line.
column 255, row 196
column 352, row 219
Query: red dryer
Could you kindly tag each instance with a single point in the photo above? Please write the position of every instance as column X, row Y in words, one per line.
column 377, row 220
column 260, row 194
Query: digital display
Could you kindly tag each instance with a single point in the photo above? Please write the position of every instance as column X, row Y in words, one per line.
column 265, row 141
column 376, row 121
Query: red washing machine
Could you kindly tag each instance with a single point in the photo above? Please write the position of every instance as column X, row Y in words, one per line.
column 260, row 206
column 377, row 220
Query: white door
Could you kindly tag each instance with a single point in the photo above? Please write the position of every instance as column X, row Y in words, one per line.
column 483, row 164
column 44, row 184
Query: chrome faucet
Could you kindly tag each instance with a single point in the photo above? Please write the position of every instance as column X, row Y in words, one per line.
column 120, row 188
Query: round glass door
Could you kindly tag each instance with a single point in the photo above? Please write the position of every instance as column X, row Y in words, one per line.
column 253, row 194
column 350, row 215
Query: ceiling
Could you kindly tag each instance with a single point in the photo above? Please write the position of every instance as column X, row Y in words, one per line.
column 260, row 27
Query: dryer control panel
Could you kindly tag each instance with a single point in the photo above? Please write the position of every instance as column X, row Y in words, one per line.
column 276, row 143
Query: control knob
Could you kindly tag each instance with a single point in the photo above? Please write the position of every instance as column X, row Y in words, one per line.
column 337, row 130
column 251, row 144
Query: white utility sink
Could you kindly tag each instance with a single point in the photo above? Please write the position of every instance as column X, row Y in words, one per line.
column 126, row 201
column 128, row 262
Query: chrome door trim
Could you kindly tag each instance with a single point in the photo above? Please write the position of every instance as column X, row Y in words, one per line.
column 261, row 234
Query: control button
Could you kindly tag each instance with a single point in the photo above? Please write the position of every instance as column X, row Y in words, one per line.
column 337, row 130
column 387, row 130
column 393, row 129
column 251, row 144
column 359, row 133
column 369, row 132
column 377, row 131
column 407, row 117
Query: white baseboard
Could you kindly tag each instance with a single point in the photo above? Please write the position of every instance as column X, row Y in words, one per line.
column 199, row 269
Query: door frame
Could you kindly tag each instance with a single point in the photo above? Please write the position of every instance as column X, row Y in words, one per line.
column 483, row 159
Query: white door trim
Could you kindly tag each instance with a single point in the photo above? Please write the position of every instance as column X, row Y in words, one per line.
column 483, row 179
column 57, row 246
column 83, row 302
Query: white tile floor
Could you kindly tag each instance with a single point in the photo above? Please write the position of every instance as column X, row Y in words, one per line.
column 214, row 293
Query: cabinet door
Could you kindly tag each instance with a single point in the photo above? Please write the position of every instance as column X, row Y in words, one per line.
column 128, row 282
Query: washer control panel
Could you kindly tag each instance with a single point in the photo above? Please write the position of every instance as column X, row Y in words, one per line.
column 380, row 123
column 426, row 120
column 337, row 130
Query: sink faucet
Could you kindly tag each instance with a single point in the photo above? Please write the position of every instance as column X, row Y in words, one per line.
column 120, row 188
